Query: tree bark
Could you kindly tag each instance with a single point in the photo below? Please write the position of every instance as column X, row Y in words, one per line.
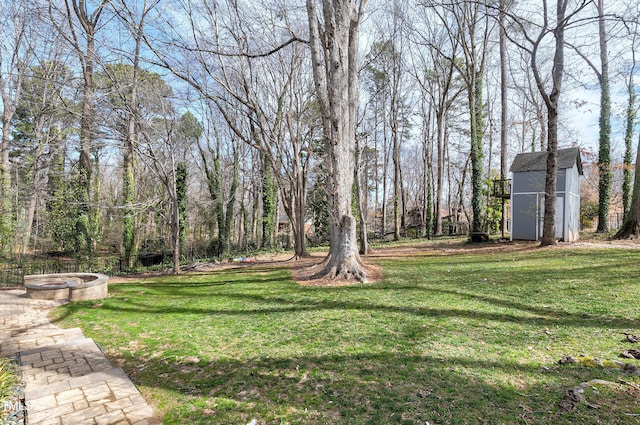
column 128, row 165
column 631, row 226
column 362, row 216
column 335, row 76
column 604, row 152
column 504, row 111
column 87, row 56
column 627, row 178
column 19, row 50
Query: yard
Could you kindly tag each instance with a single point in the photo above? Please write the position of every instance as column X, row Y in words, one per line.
column 450, row 335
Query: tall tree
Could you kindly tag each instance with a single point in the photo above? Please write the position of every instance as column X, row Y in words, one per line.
column 269, row 203
column 504, row 108
column 467, row 24
column 436, row 73
column 222, row 202
column 248, row 68
column 36, row 131
column 82, row 23
column 16, row 51
column 533, row 43
column 604, row 141
column 127, row 90
column 334, row 45
column 631, row 226
column 630, row 121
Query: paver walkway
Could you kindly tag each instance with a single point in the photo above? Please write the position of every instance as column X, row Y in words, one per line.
column 68, row 378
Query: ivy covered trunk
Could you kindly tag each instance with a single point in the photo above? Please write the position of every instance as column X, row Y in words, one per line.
column 269, row 203
column 128, row 192
column 128, row 218
column 334, row 64
column 631, row 226
column 181, row 199
column 627, row 178
column 475, row 100
column 604, row 152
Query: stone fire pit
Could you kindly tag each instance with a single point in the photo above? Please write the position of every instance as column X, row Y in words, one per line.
column 71, row 286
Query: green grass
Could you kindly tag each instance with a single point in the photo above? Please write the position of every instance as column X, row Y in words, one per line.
column 8, row 381
column 448, row 339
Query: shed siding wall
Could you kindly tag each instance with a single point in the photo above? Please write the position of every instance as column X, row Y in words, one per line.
column 527, row 182
column 527, row 204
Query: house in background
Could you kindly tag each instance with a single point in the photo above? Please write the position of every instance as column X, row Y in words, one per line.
column 527, row 195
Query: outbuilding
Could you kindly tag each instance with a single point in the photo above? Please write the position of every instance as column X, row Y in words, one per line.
column 527, row 195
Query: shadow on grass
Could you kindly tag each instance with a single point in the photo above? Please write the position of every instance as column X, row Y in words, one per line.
column 365, row 389
column 395, row 382
column 247, row 304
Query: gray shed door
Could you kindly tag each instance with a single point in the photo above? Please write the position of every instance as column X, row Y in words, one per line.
column 560, row 217
column 525, row 216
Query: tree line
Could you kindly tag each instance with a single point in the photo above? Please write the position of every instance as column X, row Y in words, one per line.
column 211, row 127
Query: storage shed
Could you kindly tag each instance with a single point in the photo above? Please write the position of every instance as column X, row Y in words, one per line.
column 527, row 195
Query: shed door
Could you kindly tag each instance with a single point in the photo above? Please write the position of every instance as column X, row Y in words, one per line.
column 524, row 216
column 559, row 216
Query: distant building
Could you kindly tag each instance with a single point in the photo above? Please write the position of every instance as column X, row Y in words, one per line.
column 527, row 195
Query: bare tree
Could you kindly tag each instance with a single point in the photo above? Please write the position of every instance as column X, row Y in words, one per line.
column 15, row 55
column 127, row 90
column 253, row 73
column 604, row 142
column 40, row 111
column 82, row 23
column 467, row 25
column 436, row 74
column 504, row 108
column 159, row 149
column 334, row 44
column 533, row 41
column 630, row 115
column 631, row 226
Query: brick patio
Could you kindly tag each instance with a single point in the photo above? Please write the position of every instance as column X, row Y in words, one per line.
column 68, row 378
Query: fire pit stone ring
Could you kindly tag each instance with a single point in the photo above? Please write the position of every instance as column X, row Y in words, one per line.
column 71, row 286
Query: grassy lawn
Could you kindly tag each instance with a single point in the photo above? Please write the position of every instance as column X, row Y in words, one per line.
column 469, row 338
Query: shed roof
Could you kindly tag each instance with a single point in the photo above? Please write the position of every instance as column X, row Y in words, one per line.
column 537, row 161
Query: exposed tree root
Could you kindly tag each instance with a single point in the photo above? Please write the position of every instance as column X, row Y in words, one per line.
column 349, row 274
column 321, row 273
column 629, row 230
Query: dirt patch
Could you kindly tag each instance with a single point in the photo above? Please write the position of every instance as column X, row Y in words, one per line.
column 303, row 271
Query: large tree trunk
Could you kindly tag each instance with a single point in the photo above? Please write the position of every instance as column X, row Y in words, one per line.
column 299, row 233
column 427, row 200
column 269, row 203
column 89, row 24
column 475, row 102
column 360, row 199
column 397, row 183
column 128, row 178
column 604, row 153
column 549, row 228
column 631, row 226
column 335, row 76
column 628, row 148
column 552, row 100
column 504, row 115
column 440, row 173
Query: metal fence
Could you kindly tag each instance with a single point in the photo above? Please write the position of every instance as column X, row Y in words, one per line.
column 12, row 273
